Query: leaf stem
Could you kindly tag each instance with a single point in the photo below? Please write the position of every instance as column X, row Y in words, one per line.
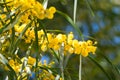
column 75, row 10
column 80, row 67
column 37, row 50
column 74, row 20
column 62, row 61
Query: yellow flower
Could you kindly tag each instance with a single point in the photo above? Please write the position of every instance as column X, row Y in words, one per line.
column 50, row 12
column 61, row 79
column 25, row 18
column 55, row 42
column 15, row 65
column 44, row 47
column 92, row 49
column 31, row 60
column 40, row 34
column 89, row 42
column 70, row 36
column 19, row 29
column 71, row 50
column 84, row 52
column 52, row 9
column 56, row 47
column 3, row 16
column 39, row 10
column 31, row 8
column 32, row 34
column 27, row 40
column 11, row 62
column 75, row 43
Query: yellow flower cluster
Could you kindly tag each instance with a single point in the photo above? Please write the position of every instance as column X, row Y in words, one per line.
column 3, row 20
column 69, row 44
column 55, row 42
column 31, row 8
column 45, row 75
column 17, row 67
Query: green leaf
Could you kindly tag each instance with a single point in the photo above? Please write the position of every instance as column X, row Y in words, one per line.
column 72, row 23
column 20, row 36
column 12, row 22
column 5, row 62
column 95, row 61
column 3, row 59
column 54, row 70
column 12, row 72
column 42, row 26
column 55, row 54
column 57, row 31
column 37, row 48
column 4, row 3
column 89, row 7
column 108, row 60
column 64, row 2
column 9, row 25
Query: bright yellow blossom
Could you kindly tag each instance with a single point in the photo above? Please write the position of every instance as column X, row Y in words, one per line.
column 54, row 41
column 31, row 60
column 15, row 65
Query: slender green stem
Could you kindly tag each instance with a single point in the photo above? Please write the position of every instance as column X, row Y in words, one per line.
column 45, row 3
column 37, row 51
column 62, row 61
column 74, row 12
column 80, row 67
column 20, row 36
column 62, row 69
column 89, row 7
column 13, row 31
column 74, row 19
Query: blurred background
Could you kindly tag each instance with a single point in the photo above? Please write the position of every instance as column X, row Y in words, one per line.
column 100, row 20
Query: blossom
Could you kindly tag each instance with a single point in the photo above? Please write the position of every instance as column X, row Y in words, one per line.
column 29, row 8
column 31, row 60
column 55, row 41
column 15, row 65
